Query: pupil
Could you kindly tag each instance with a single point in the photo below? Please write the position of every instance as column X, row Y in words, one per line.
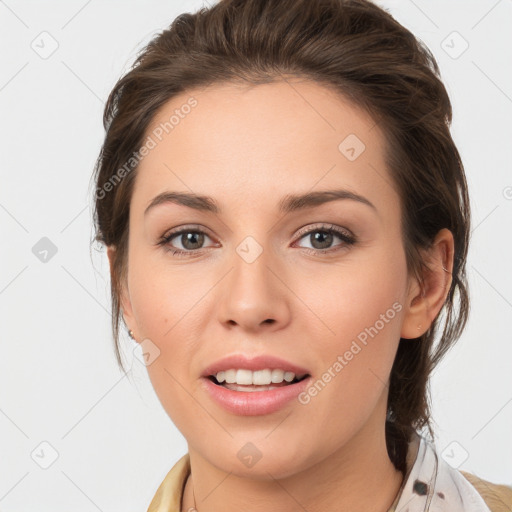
column 327, row 239
column 191, row 237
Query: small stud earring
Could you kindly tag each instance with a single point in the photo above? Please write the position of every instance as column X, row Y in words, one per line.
column 419, row 327
column 130, row 333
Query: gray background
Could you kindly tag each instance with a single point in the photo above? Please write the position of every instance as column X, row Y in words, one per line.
column 106, row 440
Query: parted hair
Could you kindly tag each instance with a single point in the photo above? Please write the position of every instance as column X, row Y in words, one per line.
column 358, row 50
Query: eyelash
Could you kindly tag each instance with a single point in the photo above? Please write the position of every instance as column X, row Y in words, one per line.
column 324, row 228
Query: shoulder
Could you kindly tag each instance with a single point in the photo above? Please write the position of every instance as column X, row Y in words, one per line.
column 497, row 497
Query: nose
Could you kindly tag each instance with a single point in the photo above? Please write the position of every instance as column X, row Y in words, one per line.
column 254, row 296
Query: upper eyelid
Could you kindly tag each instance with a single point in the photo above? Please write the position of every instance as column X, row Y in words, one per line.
column 323, row 226
column 186, row 227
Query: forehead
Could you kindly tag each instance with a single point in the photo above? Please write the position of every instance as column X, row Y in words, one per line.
column 245, row 144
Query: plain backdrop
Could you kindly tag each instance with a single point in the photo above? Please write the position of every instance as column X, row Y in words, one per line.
column 75, row 432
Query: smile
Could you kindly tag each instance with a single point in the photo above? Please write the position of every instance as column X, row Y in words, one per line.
column 247, row 380
column 254, row 399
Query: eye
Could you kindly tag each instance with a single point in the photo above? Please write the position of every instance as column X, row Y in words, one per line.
column 321, row 238
column 189, row 238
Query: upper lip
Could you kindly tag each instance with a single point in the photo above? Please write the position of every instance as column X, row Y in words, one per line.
column 262, row 362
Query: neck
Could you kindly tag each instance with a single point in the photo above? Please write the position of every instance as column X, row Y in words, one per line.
column 359, row 477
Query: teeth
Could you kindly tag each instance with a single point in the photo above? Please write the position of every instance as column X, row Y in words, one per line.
column 257, row 378
column 260, row 377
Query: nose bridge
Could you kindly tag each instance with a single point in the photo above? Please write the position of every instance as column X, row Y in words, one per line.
column 251, row 277
column 253, row 294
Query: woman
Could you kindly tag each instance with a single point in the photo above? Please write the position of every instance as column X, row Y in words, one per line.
column 286, row 216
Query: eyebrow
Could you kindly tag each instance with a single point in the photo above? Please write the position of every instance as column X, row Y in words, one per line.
column 289, row 203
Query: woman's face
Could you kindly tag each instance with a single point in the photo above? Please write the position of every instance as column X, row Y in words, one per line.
column 263, row 275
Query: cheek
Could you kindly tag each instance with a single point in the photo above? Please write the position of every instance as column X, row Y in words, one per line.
column 167, row 306
column 346, row 299
column 163, row 298
column 356, row 325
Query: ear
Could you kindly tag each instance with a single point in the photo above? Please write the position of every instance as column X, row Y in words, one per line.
column 124, row 297
column 424, row 302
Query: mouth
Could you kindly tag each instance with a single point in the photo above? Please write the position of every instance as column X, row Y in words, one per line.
column 254, row 399
column 260, row 385
column 262, row 380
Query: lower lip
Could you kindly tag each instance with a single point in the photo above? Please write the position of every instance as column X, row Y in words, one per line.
column 254, row 403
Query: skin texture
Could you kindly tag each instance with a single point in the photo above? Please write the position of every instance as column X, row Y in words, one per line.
column 247, row 148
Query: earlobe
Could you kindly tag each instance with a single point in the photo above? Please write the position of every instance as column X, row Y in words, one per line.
column 124, row 299
column 424, row 301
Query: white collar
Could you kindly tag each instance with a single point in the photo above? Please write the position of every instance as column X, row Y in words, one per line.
column 431, row 484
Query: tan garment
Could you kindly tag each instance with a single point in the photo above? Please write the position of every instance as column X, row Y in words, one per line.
column 497, row 497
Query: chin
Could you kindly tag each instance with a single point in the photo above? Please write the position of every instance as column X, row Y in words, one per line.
column 261, row 460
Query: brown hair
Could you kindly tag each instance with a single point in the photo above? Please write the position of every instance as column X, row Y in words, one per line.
column 360, row 51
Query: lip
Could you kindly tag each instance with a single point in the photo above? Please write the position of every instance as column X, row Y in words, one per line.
column 262, row 362
column 254, row 403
